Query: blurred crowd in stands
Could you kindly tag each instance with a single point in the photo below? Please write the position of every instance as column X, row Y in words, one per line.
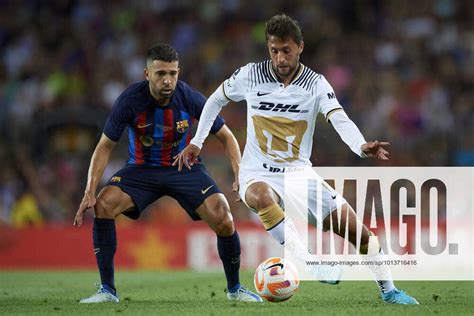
column 403, row 70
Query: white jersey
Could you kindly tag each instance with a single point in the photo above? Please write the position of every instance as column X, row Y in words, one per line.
column 280, row 120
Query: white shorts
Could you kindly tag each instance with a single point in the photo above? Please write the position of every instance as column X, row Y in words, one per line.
column 305, row 190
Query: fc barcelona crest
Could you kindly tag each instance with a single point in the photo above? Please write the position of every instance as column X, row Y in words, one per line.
column 182, row 126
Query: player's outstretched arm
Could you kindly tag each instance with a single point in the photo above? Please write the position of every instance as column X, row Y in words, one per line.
column 351, row 135
column 99, row 161
column 376, row 150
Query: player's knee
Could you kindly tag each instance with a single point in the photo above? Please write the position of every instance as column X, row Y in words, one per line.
column 225, row 227
column 104, row 207
column 261, row 197
column 216, row 213
column 222, row 222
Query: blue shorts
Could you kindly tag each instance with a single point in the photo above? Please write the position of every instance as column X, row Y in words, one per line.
column 147, row 184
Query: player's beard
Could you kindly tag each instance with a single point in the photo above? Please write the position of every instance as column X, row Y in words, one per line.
column 285, row 72
column 163, row 96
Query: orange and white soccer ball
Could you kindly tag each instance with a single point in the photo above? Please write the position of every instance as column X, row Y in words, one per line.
column 276, row 279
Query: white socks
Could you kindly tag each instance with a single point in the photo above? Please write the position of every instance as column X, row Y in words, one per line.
column 381, row 272
column 292, row 241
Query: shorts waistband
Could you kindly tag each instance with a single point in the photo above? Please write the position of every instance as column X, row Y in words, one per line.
column 280, row 169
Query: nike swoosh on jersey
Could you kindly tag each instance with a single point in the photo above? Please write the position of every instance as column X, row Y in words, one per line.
column 262, row 93
column 207, row 189
column 144, row 125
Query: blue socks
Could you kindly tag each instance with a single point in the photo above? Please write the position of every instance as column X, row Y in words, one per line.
column 105, row 244
column 229, row 252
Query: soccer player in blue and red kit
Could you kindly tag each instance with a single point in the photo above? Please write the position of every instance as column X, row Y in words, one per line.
column 158, row 113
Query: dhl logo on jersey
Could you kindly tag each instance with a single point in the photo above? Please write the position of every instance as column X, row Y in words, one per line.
column 278, row 107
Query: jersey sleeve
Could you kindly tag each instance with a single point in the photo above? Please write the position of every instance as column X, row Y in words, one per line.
column 118, row 119
column 326, row 98
column 198, row 104
column 235, row 87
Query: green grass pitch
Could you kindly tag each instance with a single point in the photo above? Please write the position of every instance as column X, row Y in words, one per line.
column 198, row 293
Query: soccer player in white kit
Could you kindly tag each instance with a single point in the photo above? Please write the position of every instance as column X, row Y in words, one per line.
column 283, row 99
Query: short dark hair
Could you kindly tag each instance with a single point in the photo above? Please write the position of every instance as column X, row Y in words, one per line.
column 283, row 26
column 163, row 52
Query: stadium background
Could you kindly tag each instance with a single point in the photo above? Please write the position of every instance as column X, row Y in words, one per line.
column 403, row 70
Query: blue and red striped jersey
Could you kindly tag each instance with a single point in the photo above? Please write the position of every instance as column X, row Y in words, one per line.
column 156, row 133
